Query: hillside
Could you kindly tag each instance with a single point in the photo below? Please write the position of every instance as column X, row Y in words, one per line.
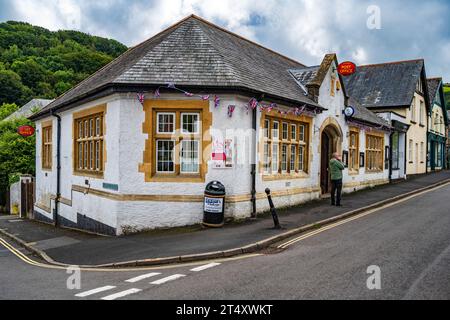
column 447, row 95
column 38, row 63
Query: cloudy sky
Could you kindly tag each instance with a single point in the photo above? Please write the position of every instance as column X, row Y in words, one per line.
column 359, row 30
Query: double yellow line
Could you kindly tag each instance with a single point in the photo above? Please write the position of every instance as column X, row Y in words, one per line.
column 26, row 259
column 358, row 216
column 32, row 262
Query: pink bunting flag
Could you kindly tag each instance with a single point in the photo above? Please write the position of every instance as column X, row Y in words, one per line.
column 141, row 97
column 188, row 94
column 253, row 103
column 231, row 110
column 216, row 101
column 204, row 98
column 157, row 93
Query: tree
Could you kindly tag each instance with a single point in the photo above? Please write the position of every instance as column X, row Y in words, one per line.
column 30, row 72
column 11, row 87
column 7, row 109
column 17, row 154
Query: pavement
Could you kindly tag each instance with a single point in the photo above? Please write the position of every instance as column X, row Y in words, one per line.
column 75, row 248
column 408, row 242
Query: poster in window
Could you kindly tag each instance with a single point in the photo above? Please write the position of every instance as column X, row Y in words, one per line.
column 345, row 158
column 223, row 153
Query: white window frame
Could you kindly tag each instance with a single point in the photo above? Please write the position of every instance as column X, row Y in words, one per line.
column 182, row 122
column 277, row 136
column 284, row 125
column 293, row 132
column 195, row 163
column 275, row 164
column 284, row 158
column 165, row 114
column 173, row 156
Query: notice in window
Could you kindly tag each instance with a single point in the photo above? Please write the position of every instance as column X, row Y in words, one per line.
column 223, row 153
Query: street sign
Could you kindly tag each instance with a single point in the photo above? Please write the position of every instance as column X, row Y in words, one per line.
column 347, row 68
column 26, row 131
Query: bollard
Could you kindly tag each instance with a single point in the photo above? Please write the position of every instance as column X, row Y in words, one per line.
column 276, row 221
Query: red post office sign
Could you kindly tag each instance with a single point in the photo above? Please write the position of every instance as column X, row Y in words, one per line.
column 26, row 131
column 347, row 68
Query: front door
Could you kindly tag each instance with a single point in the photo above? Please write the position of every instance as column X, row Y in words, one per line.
column 325, row 161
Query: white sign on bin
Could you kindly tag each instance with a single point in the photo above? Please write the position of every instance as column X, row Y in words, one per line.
column 213, row 205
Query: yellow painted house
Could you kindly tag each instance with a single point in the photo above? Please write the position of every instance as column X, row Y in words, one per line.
column 398, row 92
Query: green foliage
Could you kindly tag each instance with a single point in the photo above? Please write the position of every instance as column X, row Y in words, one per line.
column 17, row 154
column 7, row 109
column 38, row 63
column 447, row 95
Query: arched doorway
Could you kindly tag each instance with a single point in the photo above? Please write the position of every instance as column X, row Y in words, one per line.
column 331, row 142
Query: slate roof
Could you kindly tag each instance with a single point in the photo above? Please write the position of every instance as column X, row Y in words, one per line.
column 196, row 53
column 312, row 75
column 305, row 76
column 27, row 110
column 385, row 85
column 365, row 115
column 433, row 87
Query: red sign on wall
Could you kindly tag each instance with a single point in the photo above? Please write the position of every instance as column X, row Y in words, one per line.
column 26, row 131
column 347, row 68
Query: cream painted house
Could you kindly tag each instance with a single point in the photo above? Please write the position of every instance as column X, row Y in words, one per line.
column 437, row 124
column 133, row 147
column 398, row 91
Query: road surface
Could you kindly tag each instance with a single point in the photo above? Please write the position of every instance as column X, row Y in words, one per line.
column 408, row 243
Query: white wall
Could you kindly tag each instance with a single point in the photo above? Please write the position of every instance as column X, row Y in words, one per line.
column 125, row 142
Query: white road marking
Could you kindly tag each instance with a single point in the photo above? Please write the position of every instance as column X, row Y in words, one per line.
column 121, row 294
column 144, row 276
column 167, row 279
column 94, row 291
column 208, row 266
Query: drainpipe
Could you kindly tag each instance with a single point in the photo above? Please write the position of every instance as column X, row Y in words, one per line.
column 427, row 156
column 58, row 168
column 391, row 140
column 406, row 154
column 253, row 173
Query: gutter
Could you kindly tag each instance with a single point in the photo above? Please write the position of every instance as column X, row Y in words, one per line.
column 58, row 168
column 110, row 89
column 253, row 172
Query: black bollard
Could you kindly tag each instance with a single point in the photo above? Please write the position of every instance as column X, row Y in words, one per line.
column 276, row 221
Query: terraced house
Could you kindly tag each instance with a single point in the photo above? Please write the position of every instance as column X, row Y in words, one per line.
column 132, row 147
column 398, row 92
column 437, row 124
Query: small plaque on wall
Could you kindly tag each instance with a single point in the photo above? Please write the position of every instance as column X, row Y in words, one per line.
column 362, row 157
column 387, row 154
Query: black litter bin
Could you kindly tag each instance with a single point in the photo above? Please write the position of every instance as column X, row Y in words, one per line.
column 214, row 205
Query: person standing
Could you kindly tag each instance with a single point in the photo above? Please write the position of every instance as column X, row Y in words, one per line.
column 336, row 168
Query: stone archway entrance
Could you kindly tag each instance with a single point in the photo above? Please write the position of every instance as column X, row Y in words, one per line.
column 331, row 142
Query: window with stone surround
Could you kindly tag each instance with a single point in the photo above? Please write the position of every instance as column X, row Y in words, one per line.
column 89, row 144
column 374, row 152
column 47, row 131
column 285, row 153
column 178, row 138
column 353, row 150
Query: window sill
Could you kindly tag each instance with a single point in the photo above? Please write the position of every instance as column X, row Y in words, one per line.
column 89, row 174
column 195, row 178
column 353, row 172
column 286, row 176
column 373, row 171
column 47, row 169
